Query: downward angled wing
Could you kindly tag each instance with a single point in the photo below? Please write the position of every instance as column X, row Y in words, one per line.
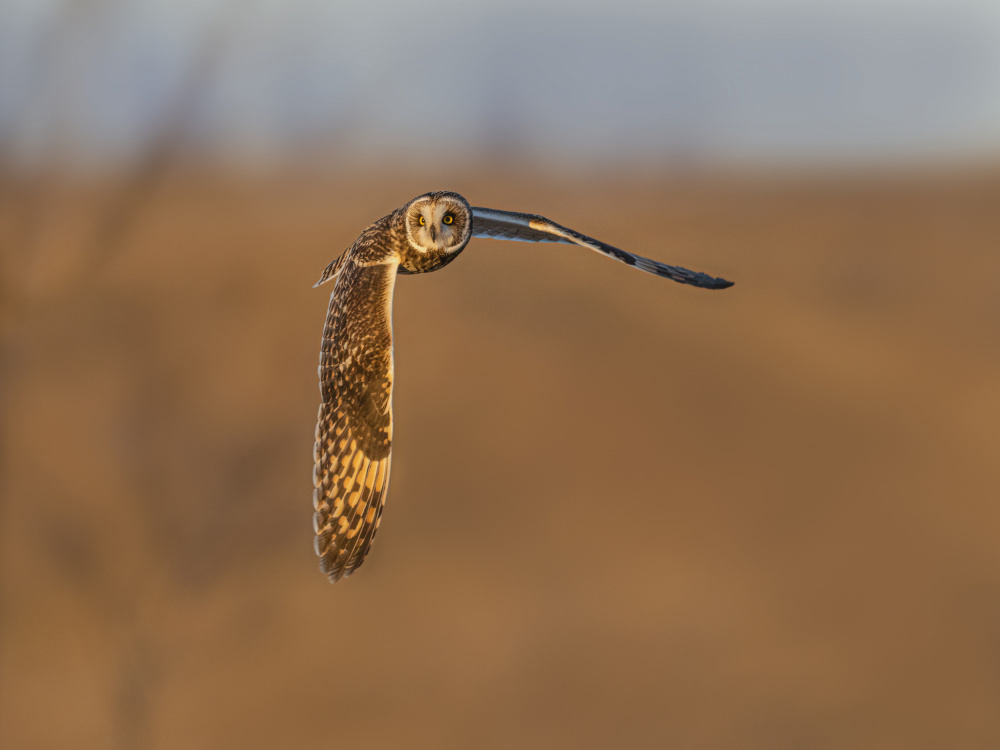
column 354, row 430
column 508, row 225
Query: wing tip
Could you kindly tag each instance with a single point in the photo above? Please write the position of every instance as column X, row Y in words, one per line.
column 333, row 570
column 720, row 283
column 339, row 571
column 693, row 278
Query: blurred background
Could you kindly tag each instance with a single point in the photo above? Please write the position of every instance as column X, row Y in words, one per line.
column 624, row 512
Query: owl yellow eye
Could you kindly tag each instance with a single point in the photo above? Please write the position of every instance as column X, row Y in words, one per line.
column 421, row 220
column 448, row 219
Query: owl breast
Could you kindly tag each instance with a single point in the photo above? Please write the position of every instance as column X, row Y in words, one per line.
column 412, row 261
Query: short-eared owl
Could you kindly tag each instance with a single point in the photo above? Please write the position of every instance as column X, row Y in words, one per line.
column 354, row 433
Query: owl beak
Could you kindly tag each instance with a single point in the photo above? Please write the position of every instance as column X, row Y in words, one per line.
column 433, row 230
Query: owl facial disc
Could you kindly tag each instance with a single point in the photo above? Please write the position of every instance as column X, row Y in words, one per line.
column 438, row 223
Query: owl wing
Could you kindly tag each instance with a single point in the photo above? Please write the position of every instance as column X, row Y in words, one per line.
column 354, row 430
column 509, row 225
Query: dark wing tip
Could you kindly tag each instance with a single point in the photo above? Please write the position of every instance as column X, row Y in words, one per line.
column 716, row 283
column 333, row 565
column 676, row 273
column 333, row 572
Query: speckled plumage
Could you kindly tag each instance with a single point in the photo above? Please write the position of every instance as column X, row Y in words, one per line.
column 354, row 430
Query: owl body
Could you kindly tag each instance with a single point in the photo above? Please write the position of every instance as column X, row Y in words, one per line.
column 352, row 455
column 354, row 427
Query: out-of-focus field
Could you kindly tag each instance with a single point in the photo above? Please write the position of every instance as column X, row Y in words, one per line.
column 623, row 512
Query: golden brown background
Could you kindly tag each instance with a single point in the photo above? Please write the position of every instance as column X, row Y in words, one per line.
column 624, row 512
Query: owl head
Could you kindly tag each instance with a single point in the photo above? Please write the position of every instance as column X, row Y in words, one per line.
column 438, row 227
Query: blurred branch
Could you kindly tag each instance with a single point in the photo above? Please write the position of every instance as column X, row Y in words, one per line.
column 109, row 236
column 29, row 197
column 33, row 203
column 120, row 214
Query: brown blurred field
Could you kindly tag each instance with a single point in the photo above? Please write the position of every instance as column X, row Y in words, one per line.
column 624, row 512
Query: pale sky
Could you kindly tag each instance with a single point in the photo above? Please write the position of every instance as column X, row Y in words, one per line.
column 594, row 80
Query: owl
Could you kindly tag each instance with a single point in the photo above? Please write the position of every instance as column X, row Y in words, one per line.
column 353, row 451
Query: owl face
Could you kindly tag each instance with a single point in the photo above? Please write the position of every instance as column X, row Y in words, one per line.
column 438, row 223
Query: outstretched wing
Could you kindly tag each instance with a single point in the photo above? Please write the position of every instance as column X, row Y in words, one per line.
column 509, row 225
column 354, row 431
